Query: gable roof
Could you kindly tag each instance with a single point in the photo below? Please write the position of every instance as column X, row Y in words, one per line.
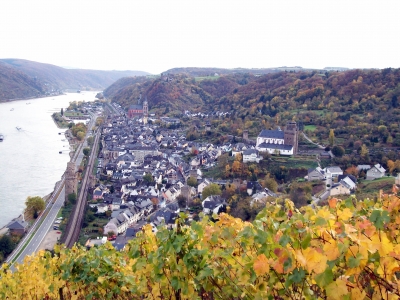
column 274, row 134
column 18, row 224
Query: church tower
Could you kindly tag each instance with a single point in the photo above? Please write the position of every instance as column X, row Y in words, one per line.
column 145, row 111
column 291, row 136
column 70, row 180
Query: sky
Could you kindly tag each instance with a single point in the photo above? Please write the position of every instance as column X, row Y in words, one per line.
column 157, row 35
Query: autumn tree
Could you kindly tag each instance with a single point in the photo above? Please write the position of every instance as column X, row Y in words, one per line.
column 364, row 153
column 331, row 137
column 269, row 183
column 352, row 171
column 211, row 189
column 192, row 181
column 34, row 205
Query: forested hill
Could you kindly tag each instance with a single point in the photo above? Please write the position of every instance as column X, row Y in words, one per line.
column 15, row 84
column 22, row 78
column 358, row 104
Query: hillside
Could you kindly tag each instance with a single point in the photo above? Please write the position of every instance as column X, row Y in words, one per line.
column 55, row 78
column 361, row 106
column 15, row 84
column 212, row 71
column 346, row 250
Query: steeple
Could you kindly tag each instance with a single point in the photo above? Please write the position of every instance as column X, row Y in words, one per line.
column 145, row 110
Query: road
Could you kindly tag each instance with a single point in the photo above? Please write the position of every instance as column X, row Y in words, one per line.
column 45, row 222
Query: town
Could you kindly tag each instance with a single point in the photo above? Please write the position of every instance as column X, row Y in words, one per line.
column 148, row 172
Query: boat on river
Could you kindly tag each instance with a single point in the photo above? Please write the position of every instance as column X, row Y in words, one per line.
column 1, row 137
column 18, row 128
column 12, row 109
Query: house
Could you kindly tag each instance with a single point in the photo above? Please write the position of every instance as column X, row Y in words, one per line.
column 213, row 205
column 339, row 189
column 376, row 171
column 349, row 180
column 251, row 155
column 333, row 172
column 202, row 185
column 253, row 186
column 316, row 174
column 363, row 168
column 18, row 227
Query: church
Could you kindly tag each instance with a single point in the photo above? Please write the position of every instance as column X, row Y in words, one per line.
column 139, row 110
column 277, row 141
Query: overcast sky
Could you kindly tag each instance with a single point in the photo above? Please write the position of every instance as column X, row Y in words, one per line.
column 155, row 35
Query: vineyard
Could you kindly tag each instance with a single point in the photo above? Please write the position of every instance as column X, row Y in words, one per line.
column 346, row 250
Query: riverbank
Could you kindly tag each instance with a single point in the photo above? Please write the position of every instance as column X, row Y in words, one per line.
column 29, row 98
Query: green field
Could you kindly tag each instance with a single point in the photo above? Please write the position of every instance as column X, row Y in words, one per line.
column 310, row 127
column 206, row 77
column 319, row 112
column 384, row 183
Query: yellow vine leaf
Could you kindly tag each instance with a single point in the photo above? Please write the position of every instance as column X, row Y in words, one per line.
column 331, row 250
column 336, row 290
column 344, row 214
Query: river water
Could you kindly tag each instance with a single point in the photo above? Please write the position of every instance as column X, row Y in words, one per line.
column 30, row 163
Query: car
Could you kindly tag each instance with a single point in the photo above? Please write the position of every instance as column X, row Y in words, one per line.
column 55, row 227
column 57, row 222
column 60, row 218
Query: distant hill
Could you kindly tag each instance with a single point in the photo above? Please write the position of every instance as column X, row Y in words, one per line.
column 38, row 78
column 220, row 71
column 15, row 84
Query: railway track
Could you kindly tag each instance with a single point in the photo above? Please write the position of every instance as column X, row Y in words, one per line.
column 76, row 219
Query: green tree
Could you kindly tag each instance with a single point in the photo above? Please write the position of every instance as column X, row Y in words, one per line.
column 34, row 205
column 86, row 151
column 211, row 189
column 338, row 151
column 331, row 137
column 181, row 201
column 192, row 181
column 6, row 245
column 72, row 198
column 148, row 178
column 90, row 140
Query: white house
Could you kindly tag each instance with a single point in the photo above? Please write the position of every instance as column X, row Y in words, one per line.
column 202, row 185
column 251, row 155
column 376, row 171
column 333, row 172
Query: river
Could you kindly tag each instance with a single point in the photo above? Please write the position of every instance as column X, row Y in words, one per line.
column 30, row 163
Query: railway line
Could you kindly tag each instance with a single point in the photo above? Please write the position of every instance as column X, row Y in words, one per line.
column 75, row 221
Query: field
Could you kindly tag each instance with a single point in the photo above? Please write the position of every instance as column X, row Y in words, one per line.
column 296, row 162
column 310, row 127
column 206, row 77
column 384, row 183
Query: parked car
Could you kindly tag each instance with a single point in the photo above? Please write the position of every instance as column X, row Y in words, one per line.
column 55, row 227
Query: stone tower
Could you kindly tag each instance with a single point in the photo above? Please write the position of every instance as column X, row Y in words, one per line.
column 145, row 111
column 291, row 136
column 70, row 180
column 245, row 135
